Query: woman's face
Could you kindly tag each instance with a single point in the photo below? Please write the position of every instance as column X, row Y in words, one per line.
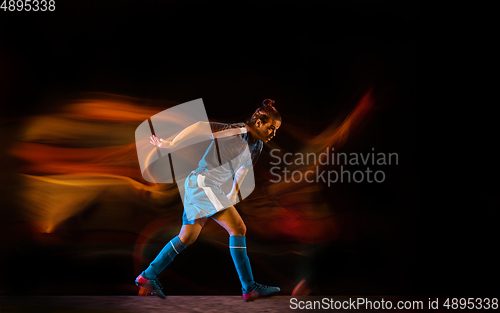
column 265, row 132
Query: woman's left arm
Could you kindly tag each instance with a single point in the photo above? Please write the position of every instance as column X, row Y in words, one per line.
column 238, row 179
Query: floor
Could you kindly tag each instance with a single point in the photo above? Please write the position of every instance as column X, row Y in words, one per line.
column 114, row 304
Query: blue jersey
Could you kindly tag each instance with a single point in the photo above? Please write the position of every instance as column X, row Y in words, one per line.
column 233, row 147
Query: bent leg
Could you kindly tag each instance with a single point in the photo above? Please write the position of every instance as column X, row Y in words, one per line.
column 189, row 233
column 186, row 237
column 231, row 220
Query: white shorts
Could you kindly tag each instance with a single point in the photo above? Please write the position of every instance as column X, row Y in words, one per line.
column 202, row 199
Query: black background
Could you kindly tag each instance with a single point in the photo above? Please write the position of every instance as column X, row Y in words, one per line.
column 315, row 59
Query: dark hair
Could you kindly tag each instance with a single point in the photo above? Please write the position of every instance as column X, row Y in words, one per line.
column 265, row 113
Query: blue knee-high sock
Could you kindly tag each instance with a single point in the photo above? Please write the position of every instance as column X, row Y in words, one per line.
column 238, row 249
column 166, row 255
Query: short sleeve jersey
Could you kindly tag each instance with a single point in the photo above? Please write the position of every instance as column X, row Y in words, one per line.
column 235, row 151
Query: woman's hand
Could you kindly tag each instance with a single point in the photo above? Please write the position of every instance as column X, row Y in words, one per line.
column 160, row 143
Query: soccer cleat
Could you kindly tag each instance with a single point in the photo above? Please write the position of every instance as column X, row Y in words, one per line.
column 260, row 291
column 145, row 292
column 149, row 287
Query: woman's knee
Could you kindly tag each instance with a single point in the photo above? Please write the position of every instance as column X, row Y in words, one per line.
column 239, row 229
column 189, row 234
column 187, row 240
column 231, row 221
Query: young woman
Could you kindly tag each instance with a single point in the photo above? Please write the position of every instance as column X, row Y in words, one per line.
column 204, row 196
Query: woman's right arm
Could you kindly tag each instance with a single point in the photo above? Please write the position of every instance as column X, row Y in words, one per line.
column 197, row 129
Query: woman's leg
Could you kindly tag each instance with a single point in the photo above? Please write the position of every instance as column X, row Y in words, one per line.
column 231, row 220
column 147, row 280
column 187, row 236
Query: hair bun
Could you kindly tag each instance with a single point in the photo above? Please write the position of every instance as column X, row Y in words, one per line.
column 268, row 102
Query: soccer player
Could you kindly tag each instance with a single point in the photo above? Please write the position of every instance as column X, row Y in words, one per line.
column 203, row 195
